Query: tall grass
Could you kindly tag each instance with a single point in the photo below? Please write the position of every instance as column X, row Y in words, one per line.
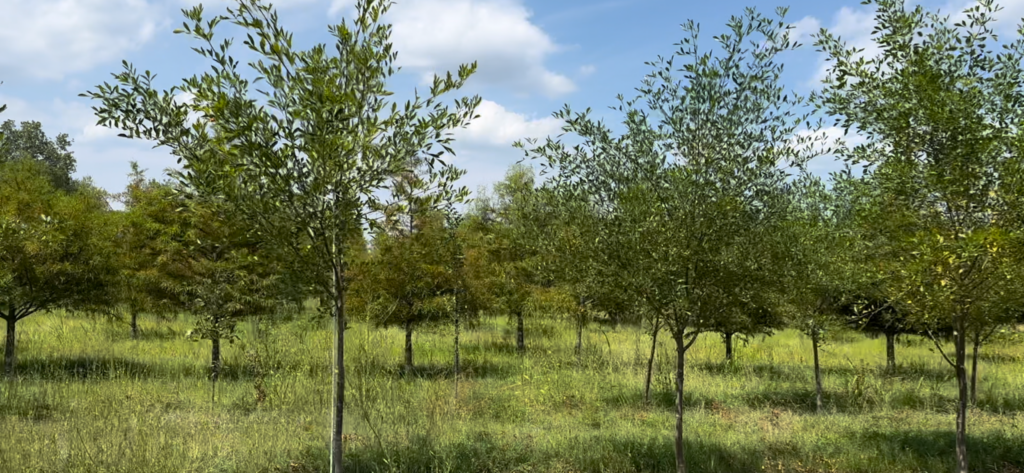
column 91, row 399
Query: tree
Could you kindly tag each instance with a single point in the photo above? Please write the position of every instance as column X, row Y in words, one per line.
column 149, row 221
column 212, row 265
column 695, row 180
column 939, row 108
column 305, row 162
column 31, row 143
column 510, row 223
column 821, row 268
column 408, row 279
column 54, row 245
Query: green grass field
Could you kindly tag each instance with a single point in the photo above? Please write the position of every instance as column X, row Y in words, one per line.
column 90, row 399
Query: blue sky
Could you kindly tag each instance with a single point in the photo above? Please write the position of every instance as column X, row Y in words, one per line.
column 534, row 57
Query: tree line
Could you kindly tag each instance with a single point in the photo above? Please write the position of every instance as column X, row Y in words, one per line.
column 696, row 214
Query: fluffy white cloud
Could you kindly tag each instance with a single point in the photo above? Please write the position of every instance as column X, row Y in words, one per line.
column 51, row 38
column 500, row 127
column 434, row 36
column 804, row 29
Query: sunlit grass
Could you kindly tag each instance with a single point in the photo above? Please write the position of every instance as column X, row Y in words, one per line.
column 90, row 399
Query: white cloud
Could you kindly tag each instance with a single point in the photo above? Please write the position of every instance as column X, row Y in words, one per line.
column 342, row 7
column 500, row 127
column 434, row 36
column 851, row 25
column 52, row 38
column 803, row 29
column 587, row 69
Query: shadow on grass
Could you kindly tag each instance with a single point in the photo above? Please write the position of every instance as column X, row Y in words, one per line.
column 486, row 453
column 985, row 452
column 90, row 367
column 800, row 373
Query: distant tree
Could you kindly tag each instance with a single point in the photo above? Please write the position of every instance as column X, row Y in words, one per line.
column 509, row 224
column 212, row 266
column 30, row 143
column 940, row 109
column 55, row 247
column 408, row 280
column 696, row 180
column 148, row 222
column 304, row 159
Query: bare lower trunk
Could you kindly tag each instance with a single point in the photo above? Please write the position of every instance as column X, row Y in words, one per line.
column 9, row 348
column 650, row 361
column 338, row 407
column 817, row 372
column 214, row 366
column 456, row 364
column 728, row 345
column 579, row 340
column 135, row 325
column 680, row 377
column 890, row 351
column 961, row 407
column 520, row 336
column 408, row 348
column 974, row 369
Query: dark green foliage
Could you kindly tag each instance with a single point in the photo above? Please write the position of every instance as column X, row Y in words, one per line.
column 55, row 245
column 29, row 142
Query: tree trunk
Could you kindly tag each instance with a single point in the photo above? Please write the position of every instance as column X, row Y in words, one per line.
column 680, row 377
column 817, row 372
column 890, row 351
column 214, row 366
column 9, row 348
column 456, row 357
column 408, row 348
column 135, row 324
column 650, row 361
column 579, row 340
column 728, row 345
column 338, row 407
column 520, row 336
column 961, row 408
column 974, row 369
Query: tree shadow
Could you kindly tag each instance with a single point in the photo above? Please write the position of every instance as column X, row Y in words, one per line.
column 90, row 367
column 986, row 452
column 485, row 453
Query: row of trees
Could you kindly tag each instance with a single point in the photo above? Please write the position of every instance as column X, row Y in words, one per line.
column 689, row 220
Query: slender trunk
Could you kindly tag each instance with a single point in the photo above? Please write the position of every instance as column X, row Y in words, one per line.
column 408, row 348
column 520, row 338
column 650, row 361
column 890, row 351
column 579, row 340
column 9, row 347
column 961, row 407
column 135, row 324
column 680, row 377
column 214, row 366
column 817, row 372
column 974, row 369
column 456, row 357
column 728, row 345
column 339, row 372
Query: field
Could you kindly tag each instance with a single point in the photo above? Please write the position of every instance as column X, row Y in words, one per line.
column 91, row 399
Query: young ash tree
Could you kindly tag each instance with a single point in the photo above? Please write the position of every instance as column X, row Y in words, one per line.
column 940, row 107
column 698, row 174
column 303, row 158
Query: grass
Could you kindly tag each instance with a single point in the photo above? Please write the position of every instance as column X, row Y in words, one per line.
column 90, row 399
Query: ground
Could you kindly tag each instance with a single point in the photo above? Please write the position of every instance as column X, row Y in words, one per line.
column 91, row 399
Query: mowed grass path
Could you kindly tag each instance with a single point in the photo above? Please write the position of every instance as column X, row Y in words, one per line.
column 90, row 399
